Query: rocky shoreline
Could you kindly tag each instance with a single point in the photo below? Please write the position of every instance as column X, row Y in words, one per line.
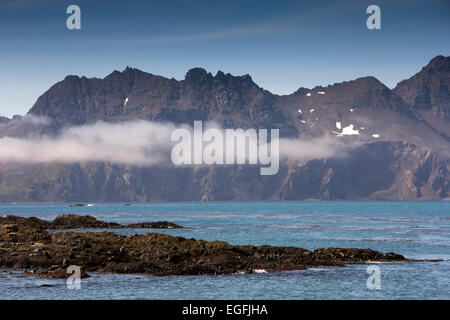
column 26, row 243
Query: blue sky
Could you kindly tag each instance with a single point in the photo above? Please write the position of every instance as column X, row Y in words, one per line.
column 283, row 45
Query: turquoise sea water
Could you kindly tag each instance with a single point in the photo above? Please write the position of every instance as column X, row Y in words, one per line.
column 418, row 230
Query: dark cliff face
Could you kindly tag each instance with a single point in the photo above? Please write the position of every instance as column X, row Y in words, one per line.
column 403, row 152
column 133, row 94
column 429, row 88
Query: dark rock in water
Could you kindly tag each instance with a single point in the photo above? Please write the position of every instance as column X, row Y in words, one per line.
column 155, row 225
column 353, row 255
column 29, row 222
column 72, row 221
column 24, row 246
column 18, row 233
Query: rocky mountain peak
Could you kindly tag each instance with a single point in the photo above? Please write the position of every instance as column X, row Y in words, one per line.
column 128, row 73
column 363, row 85
column 71, row 78
column 367, row 84
column 366, row 92
column 199, row 76
column 438, row 64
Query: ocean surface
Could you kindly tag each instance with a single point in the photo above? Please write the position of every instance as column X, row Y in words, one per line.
column 417, row 230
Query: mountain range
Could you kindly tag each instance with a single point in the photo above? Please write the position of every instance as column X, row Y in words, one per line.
column 399, row 138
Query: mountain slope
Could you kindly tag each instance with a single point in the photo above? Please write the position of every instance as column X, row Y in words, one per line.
column 427, row 95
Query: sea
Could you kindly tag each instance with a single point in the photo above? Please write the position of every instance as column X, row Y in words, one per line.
column 415, row 229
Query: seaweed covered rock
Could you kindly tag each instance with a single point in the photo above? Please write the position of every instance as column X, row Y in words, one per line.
column 20, row 233
column 155, row 225
column 73, row 221
column 353, row 255
column 30, row 222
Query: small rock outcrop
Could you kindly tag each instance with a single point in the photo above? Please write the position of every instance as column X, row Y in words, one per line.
column 73, row 221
